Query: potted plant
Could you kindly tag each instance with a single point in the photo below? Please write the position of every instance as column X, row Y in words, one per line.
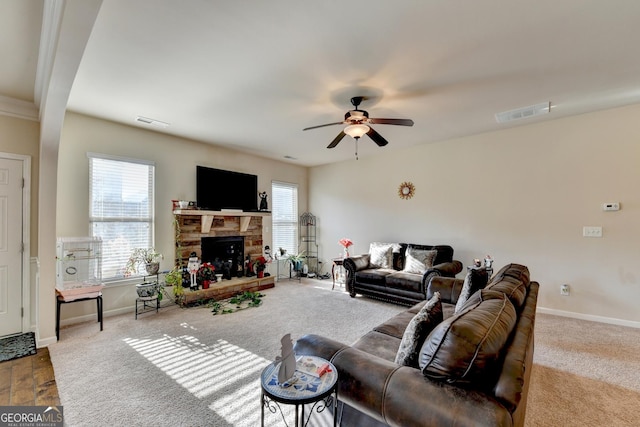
column 148, row 257
column 297, row 261
column 259, row 265
column 206, row 273
column 174, row 278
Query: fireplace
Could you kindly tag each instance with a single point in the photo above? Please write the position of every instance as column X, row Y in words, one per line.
column 225, row 253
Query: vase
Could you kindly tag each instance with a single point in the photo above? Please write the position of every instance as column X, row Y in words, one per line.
column 146, row 289
column 260, row 274
column 346, row 253
column 205, row 284
column 152, row 268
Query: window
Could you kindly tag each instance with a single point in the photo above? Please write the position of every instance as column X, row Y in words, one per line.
column 121, row 209
column 284, row 215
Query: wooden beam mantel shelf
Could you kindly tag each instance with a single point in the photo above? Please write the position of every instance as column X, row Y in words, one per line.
column 207, row 217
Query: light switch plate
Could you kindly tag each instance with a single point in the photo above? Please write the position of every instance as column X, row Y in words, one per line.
column 591, row 231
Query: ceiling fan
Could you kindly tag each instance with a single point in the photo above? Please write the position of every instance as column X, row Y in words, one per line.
column 358, row 122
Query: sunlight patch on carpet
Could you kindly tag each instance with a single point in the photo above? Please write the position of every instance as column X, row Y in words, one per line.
column 204, row 370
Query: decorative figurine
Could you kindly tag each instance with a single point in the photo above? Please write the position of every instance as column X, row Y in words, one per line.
column 263, row 201
column 193, row 265
column 488, row 261
column 269, row 258
column 287, row 361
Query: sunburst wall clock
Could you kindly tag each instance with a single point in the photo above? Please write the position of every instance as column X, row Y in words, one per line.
column 406, row 190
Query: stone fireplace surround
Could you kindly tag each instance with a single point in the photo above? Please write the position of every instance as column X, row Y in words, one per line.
column 194, row 225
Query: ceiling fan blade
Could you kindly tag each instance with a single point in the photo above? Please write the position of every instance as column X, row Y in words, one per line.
column 399, row 122
column 337, row 140
column 377, row 138
column 321, row 126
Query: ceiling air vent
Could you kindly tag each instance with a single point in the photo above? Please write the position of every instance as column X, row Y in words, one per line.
column 152, row 122
column 523, row 113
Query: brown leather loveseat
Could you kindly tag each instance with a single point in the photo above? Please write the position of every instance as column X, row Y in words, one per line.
column 474, row 366
column 396, row 279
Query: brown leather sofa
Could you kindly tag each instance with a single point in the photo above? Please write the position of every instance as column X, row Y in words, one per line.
column 468, row 387
column 394, row 284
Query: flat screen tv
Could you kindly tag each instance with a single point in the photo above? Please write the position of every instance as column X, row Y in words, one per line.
column 218, row 189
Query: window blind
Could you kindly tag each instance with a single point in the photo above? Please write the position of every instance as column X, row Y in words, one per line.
column 284, row 216
column 120, row 209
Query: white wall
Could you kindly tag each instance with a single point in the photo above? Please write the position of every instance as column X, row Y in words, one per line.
column 521, row 195
column 175, row 160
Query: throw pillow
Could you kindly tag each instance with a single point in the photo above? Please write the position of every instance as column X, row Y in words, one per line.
column 475, row 279
column 380, row 255
column 418, row 261
column 417, row 331
column 467, row 346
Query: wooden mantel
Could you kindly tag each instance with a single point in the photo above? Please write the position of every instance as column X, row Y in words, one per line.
column 207, row 217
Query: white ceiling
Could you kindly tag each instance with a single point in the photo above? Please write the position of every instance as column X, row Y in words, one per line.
column 252, row 74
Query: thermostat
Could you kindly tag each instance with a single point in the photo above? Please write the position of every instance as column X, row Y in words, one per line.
column 614, row 206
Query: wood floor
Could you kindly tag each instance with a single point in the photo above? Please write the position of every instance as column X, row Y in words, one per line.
column 29, row 381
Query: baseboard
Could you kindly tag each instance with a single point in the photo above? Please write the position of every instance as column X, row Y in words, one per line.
column 590, row 317
column 92, row 317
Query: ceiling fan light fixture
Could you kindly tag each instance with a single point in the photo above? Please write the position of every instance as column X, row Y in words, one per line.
column 356, row 131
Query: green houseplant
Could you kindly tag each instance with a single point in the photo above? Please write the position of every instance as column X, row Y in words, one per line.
column 148, row 257
column 297, row 261
column 174, row 279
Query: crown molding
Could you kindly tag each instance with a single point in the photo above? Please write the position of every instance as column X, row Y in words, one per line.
column 17, row 108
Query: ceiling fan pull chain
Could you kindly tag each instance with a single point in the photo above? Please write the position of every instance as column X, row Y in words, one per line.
column 357, row 148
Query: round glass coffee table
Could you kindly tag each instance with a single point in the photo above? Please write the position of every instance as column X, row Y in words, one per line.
column 321, row 391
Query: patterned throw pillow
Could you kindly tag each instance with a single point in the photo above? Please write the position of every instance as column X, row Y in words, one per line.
column 417, row 331
column 418, row 261
column 475, row 279
column 380, row 255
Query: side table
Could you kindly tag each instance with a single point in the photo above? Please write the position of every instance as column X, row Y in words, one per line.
column 322, row 391
column 61, row 300
column 336, row 262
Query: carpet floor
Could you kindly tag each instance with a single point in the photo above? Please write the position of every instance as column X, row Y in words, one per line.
column 187, row 367
column 17, row 346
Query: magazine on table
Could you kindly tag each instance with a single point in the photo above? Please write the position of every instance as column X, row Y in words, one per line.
column 310, row 366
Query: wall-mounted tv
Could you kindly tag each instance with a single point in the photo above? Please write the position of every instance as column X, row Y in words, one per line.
column 218, row 189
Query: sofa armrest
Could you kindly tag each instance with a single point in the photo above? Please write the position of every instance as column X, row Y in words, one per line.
column 353, row 264
column 449, row 288
column 356, row 263
column 400, row 395
column 448, row 269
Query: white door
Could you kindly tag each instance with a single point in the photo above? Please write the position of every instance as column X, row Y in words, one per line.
column 10, row 246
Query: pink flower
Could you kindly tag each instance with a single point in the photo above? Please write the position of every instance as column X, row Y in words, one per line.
column 345, row 242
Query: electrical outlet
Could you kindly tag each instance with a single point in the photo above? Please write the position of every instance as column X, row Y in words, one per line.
column 564, row 290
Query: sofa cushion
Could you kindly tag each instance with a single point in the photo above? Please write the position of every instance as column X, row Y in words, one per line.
column 417, row 331
column 418, row 261
column 406, row 281
column 516, row 271
column 380, row 255
column 379, row 344
column 374, row 276
column 475, row 280
column 396, row 325
column 467, row 347
column 515, row 289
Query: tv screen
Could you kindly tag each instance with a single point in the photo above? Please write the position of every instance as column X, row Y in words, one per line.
column 218, row 189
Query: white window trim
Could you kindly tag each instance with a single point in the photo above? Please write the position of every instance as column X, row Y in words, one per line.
column 114, row 281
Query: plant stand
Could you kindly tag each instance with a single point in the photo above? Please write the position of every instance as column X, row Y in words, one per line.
column 148, row 304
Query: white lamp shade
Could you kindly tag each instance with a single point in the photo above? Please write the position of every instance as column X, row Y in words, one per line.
column 356, row 131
